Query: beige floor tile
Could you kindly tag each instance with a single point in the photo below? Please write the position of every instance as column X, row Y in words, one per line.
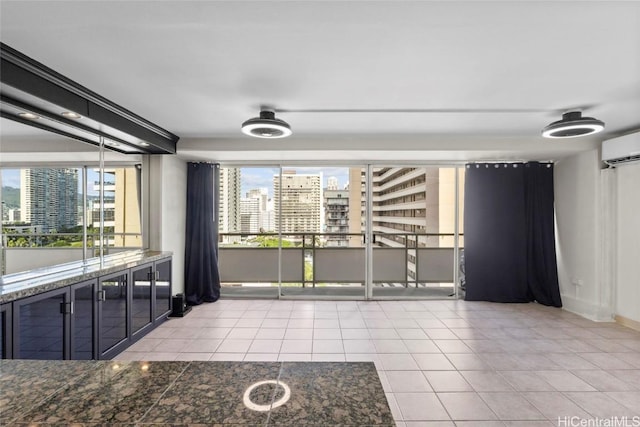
column 407, row 382
column 486, row 381
column 466, row 406
column 511, row 406
column 526, row 381
column 447, row 381
column 420, row 407
column 468, row 362
column 328, row 346
column 564, row 381
column 265, row 346
column 554, row 405
column 600, row 405
column 296, row 346
column 433, row 362
column 234, row 346
column 397, row 362
column 604, row 381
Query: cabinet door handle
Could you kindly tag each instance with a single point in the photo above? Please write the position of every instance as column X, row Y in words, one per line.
column 102, row 295
column 71, row 307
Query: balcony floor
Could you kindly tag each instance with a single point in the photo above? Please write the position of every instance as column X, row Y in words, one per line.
column 447, row 361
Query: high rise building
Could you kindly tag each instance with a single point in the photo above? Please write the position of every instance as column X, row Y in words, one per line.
column 412, row 207
column 249, row 215
column 299, row 202
column 332, row 183
column 336, row 216
column 121, row 207
column 229, row 210
column 266, row 217
column 49, row 198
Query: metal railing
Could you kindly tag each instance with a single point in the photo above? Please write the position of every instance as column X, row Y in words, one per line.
column 26, row 251
column 308, row 259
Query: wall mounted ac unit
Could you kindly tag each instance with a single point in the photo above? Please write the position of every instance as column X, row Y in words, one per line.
column 624, row 149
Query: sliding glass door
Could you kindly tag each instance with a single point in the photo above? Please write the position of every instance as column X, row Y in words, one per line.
column 340, row 232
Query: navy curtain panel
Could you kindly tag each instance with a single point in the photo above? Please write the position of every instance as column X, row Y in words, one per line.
column 201, row 276
column 509, row 241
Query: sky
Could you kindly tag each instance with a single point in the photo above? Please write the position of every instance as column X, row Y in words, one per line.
column 263, row 177
column 11, row 178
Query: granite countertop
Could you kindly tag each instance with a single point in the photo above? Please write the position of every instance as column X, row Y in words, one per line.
column 91, row 393
column 24, row 284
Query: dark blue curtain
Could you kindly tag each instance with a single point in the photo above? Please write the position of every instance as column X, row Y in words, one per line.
column 509, row 234
column 201, row 277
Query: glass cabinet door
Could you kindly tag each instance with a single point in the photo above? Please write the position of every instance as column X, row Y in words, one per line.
column 5, row 332
column 141, row 298
column 83, row 321
column 41, row 324
column 113, row 311
column 163, row 288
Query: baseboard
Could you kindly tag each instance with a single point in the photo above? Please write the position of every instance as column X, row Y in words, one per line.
column 629, row 323
column 586, row 309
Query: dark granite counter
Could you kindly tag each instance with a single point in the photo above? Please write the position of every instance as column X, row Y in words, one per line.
column 45, row 393
column 24, row 284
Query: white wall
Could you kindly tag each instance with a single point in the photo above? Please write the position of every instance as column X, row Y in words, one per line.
column 167, row 211
column 627, row 267
column 577, row 200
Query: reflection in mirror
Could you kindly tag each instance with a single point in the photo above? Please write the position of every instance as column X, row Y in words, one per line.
column 50, row 192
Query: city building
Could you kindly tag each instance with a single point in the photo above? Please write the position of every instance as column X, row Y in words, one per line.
column 229, row 210
column 121, row 207
column 45, row 191
column 249, row 215
column 336, row 216
column 299, row 201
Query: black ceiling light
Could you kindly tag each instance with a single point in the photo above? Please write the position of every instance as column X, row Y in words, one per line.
column 573, row 125
column 266, row 126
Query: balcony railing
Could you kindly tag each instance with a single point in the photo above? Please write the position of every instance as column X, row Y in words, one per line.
column 311, row 259
column 27, row 251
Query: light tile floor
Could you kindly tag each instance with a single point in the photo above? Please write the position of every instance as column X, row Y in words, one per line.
column 441, row 363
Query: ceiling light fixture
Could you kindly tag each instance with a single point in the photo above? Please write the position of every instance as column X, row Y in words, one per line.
column 573, row 125
column 71, row 115
column 266, row 126
column 29, row 116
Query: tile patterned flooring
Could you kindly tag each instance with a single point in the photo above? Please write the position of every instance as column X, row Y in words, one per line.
column 441, row 363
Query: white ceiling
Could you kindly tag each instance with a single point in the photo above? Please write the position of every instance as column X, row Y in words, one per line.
column 485, row 77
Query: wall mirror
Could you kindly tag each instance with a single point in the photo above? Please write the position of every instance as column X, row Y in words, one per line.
column 64, row 201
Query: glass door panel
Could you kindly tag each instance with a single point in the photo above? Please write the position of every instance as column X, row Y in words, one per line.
column 319, row 221
column 413, row 227
column 113, row 311
column 141, row 298
column 248, row 242
column 163, row 288
column 83, row 321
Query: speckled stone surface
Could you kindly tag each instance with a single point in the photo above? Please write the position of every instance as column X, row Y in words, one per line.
column 159, row 394
column 25, row 284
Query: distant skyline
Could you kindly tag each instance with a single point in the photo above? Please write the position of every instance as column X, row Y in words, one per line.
column 262, row 177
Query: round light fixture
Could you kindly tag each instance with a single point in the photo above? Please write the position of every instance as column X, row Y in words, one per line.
column 573, row 125
column 266, row 126
column 71, row 115
column 29, row 116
